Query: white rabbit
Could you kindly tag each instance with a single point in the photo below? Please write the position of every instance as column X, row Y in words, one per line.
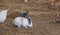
column 3, row 15
column 21, row 21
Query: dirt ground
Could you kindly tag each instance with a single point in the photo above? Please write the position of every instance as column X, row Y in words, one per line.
column 41, row 12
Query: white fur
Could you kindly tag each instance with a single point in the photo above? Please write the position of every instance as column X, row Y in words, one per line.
column 21, row 21
column 3, row 15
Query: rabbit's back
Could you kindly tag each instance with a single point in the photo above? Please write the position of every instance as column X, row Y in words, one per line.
column 25, row 22
column 18, row 21
column 3, row 15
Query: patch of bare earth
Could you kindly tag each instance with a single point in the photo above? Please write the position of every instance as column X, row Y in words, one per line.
column 41, row 12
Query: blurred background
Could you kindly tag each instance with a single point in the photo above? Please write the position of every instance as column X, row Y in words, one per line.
column 41, row 12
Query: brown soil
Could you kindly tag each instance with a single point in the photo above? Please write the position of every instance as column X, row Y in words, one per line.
column 41, row 12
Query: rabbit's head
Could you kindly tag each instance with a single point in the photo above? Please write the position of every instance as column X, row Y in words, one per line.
column 30, row 23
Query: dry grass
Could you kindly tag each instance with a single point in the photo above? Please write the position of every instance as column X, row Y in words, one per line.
column 41, row 12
